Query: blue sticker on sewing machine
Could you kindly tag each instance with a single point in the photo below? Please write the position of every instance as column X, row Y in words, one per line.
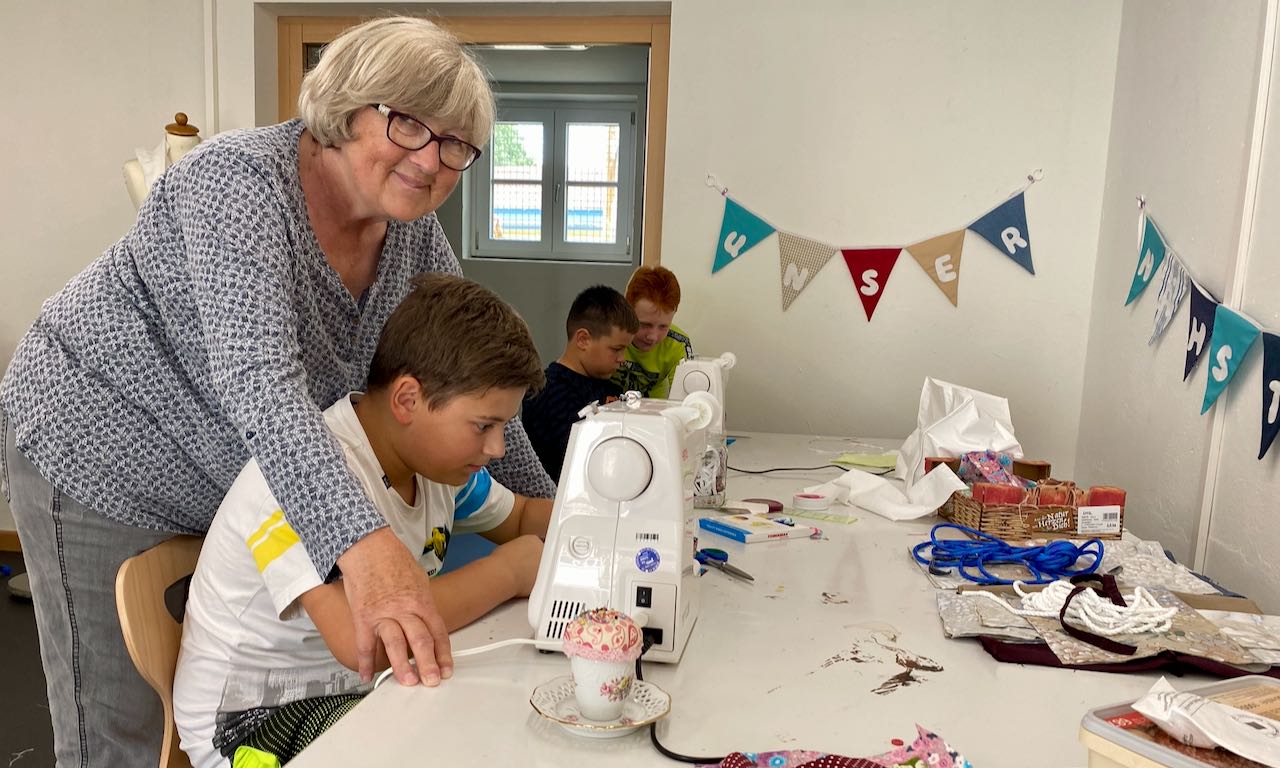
column 648, row 559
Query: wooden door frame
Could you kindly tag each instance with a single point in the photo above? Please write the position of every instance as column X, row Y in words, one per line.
column 655, row 31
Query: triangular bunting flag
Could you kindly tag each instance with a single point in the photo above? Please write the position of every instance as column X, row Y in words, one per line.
column 1200, row 327
column 870, row 269
column 1150, row 255
column 1233, row 337
column 940, row 258
column 1270, row 391
column 740, row 231
column 1006, row 229
column 1173, row 289
column 800, row 259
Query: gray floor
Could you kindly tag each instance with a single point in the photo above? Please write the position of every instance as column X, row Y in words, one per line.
column 26, row 737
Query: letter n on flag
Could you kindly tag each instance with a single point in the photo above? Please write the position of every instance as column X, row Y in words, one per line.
column 799, row 259
column 1150, row 255
column 870, row 269
column 1005, row 227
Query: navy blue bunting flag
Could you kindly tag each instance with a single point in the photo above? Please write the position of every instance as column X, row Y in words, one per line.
column 1270, row 391
column 1200, row 327
column 1005, row 227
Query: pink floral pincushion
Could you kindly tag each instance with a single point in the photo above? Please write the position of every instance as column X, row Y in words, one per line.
column 602, row 634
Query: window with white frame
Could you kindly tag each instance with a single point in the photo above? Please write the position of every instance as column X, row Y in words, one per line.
column 557, row 182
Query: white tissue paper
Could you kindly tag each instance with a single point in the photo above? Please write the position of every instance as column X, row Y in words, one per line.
column 952, row 421
column 1202, row 722
column 876, row 494
column 153, row 162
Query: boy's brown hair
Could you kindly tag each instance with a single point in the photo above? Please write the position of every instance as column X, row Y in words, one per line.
column 599, row 309
column 455, row 337
column 658, row 285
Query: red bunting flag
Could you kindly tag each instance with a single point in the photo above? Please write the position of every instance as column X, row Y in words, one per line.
column 870, row 269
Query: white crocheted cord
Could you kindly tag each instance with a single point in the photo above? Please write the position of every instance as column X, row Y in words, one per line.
column 1143, row 614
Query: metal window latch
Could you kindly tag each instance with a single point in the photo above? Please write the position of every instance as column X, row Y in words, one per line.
column 557, row 193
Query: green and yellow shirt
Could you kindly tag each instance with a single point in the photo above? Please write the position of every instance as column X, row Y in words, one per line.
column 650, row 373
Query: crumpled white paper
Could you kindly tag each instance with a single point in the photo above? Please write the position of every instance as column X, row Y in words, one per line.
column 876, row 494
column 952, row 421
column 1202, row 722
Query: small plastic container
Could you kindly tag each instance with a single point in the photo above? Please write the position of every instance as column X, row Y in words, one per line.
column 1111, row 746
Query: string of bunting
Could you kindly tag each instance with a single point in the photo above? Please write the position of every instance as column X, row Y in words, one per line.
column 1226, row 334
column 801, row 258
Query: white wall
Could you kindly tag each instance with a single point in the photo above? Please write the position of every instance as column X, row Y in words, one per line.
column 887, row 123
column 84, row 84
column 1243, row 533
column 1184, row 104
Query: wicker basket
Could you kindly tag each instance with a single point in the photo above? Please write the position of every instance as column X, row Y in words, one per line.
column 1016, row 522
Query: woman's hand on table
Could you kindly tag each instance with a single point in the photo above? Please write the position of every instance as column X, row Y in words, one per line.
column 391, row 603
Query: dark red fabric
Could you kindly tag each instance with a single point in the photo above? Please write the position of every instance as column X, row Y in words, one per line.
column 1039, row 654
column 1108, row 590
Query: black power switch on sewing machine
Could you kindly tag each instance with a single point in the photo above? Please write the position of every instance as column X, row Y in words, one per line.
column 644, row 597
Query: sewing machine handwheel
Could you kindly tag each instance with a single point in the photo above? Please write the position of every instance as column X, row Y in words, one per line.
column 697, row 381
column 619, row 469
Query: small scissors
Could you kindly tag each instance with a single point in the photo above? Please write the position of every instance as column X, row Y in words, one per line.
column 719, row 559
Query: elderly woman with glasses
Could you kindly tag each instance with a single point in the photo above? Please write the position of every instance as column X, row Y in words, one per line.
column 248, row 296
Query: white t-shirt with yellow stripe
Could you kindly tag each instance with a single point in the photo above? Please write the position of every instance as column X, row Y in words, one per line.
column 246, row 642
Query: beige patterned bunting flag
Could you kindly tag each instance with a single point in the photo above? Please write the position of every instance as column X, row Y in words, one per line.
column 799, row 259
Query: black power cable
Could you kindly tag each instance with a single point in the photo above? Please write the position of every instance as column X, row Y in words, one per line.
column 653, row 727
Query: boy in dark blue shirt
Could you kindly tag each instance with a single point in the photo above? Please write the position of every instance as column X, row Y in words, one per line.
column 600, row 326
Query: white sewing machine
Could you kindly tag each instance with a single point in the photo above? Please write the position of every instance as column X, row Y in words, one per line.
column 708, row 374
column 704, row 374
column 622, row 530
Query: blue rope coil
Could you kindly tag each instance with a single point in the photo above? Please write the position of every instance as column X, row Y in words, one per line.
column 1046, row 564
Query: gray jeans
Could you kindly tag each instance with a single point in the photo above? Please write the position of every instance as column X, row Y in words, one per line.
column 104, row 713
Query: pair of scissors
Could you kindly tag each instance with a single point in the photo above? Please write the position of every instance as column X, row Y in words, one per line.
column 719, row 559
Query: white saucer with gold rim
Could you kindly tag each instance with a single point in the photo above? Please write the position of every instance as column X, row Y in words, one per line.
column 554, row 701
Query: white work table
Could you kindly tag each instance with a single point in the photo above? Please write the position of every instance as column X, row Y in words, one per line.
column 789, row 662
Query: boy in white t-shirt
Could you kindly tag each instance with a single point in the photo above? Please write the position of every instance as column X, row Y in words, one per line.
column 268, row 650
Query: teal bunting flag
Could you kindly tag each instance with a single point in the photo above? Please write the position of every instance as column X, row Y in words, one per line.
column 1150, row 256
column 1006, row 228
column 740, row 231
column 1233, row 336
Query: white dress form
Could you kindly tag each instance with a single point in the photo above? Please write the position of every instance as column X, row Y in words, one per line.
column 141, row 172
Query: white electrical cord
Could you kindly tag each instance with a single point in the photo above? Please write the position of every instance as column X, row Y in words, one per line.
column 468, row 652
column 1143, row 614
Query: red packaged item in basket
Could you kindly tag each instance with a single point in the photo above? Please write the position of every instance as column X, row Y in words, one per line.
column 996, row 493
column 1105, row 495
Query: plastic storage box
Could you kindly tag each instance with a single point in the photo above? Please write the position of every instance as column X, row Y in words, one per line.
column 1116, row 736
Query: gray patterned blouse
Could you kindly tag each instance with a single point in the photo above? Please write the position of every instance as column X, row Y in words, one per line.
column 216, row 330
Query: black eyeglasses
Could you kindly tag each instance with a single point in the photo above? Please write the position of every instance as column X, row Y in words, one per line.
column 409, row 133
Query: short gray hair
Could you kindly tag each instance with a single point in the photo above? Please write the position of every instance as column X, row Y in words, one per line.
column 404, row 62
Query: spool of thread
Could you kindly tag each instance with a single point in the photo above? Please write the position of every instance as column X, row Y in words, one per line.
column 773, row 505
column 811, row 502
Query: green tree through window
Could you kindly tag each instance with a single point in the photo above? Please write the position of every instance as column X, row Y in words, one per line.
column 508, row 150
